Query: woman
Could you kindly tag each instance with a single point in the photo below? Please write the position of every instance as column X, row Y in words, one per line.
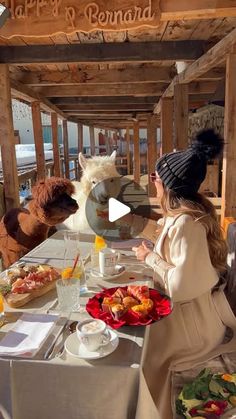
column 187, row 259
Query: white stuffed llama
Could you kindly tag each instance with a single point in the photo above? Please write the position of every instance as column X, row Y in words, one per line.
column 91, row 187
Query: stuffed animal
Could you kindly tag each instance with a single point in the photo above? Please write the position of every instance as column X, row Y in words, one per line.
column 23, row 229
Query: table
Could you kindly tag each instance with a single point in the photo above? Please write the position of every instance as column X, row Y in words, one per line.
column 66, row 387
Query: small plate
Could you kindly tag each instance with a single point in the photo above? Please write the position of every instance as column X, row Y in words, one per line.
column 74, row 348
column 96, row 273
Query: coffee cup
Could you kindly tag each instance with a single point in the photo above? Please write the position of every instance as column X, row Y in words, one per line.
column 93, row 333
column 108, row 259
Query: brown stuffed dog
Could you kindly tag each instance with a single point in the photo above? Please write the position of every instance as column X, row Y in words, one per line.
column 23, row 229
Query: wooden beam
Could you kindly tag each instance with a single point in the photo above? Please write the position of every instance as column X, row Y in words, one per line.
column 181, row 116
column 151, row 151
column 72, row 17
column 196, row 9
column 7, row 142
column 38, row 139
column 136, row 155
column 56, row 154
column 102, row 115
column 167, row 121
column 107, row 52
column 66, row 149
column 25, row 93
column 149, row 89
column 92, row 140
column 145, row 89
column 107, row 100
column 106, row 108
column 91, row 76
column 209, row 60
column 229, row 160
column 128, row 150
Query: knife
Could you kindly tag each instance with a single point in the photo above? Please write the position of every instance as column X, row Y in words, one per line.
column 56, row 337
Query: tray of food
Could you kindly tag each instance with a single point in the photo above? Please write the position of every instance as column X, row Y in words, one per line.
column 23, row 283
column 130, row 305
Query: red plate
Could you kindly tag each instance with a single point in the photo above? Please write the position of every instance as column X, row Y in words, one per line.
column 162, row 308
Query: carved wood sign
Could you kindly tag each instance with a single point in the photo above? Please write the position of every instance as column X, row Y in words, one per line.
column 48, row 17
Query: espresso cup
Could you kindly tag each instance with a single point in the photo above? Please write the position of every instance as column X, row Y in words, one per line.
column 93, row 334
column 108, row 259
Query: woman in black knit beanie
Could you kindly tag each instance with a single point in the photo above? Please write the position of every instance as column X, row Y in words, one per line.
column 187, row 258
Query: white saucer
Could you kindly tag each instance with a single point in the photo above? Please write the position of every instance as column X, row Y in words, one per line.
column 96, row 273
column 78, row 350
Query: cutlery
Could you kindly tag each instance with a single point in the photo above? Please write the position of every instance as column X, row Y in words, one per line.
column 56, row 337
column 71, row 329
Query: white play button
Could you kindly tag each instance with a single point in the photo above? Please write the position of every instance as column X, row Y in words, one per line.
column 116, row 210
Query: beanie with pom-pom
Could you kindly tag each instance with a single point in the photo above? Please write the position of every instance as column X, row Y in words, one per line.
column 184, row 171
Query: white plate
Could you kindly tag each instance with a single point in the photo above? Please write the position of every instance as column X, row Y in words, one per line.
column 96, row 273
column 75, row 348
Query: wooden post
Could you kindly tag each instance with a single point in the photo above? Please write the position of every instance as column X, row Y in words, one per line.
column 128, row 150
column 151, row 151
column 66, row 149
column 92, row 141
column 108, row 151
column 181, row 116
column 80, row 148
column 38, row 139
column 80, row 137
column 56, row 153
column 136, row 153
column 7, row 142
column 167, row 121
column 228, row 208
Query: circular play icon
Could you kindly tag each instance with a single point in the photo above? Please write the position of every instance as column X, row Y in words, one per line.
column 111, row 206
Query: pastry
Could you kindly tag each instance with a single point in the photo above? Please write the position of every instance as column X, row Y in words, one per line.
column 118, row 310
column 129, row 302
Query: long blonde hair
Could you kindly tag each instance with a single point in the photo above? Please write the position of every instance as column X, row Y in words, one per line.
column 202, row 210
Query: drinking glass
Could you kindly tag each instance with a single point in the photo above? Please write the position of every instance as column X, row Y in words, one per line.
column 2, row 314
column 68, row 293
column 73, row 266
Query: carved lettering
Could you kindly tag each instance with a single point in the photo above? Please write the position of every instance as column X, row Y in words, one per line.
column 117, row 17
column 97, row 17
column 53, row 16
column 138, row 12
column 128, row 17
column 70, row 16
column 12, row 8
column 19, row 12
column 39, row 5
column 147, row 13
column 29, row 4
column 103, row 18
column 91, row 13
column 55, row 9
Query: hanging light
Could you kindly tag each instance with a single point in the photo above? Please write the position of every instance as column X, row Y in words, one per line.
column 4, row 14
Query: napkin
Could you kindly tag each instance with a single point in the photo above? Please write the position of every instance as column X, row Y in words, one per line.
column 27, row 335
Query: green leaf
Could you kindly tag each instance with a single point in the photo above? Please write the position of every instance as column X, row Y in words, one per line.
column 217, row 389
column 231, row 387
column 199, row 388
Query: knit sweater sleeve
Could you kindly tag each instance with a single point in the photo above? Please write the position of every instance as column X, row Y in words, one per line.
column 190, row 273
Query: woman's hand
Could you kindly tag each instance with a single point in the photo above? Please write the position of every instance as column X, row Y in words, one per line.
column 141, row 251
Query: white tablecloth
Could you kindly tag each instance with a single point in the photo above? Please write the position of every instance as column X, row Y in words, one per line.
column 67, row 387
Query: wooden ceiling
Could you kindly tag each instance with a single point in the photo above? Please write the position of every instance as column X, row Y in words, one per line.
column 109, row 79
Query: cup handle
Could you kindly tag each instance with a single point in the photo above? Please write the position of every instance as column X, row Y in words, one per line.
column 106, row 338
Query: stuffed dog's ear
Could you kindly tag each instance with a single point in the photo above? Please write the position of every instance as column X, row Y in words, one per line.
column 82, row 161
column 113, row 155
